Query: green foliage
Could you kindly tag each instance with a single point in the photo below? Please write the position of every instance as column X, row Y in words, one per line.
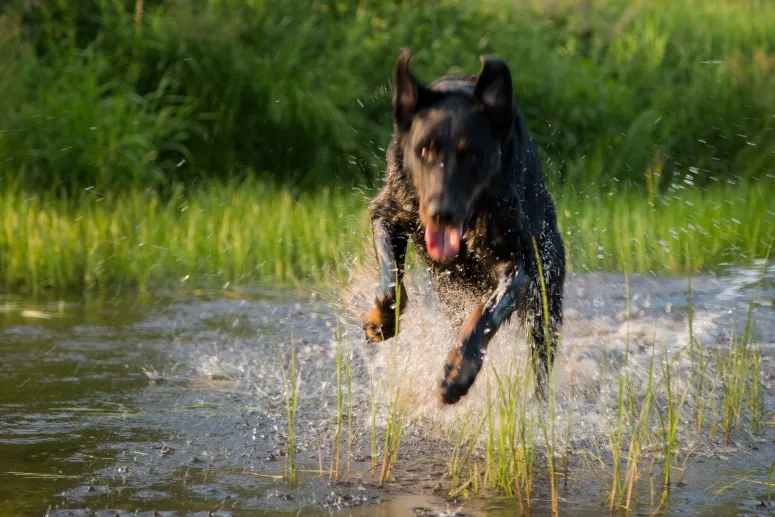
column 300, row 90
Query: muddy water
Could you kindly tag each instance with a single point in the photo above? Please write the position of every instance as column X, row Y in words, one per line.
column 173, row 403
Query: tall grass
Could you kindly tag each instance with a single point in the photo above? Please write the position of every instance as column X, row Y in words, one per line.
column 237, row 232
column 548, row 427
column 336, row 453
column 291, row 379
column 688, row 228
column 397, row 407
column 248, row 231
column 104, row 116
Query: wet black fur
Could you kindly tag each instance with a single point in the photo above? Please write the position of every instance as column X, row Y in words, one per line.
column 500, row 197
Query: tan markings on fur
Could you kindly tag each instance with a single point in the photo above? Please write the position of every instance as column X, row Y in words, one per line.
column 379, row 323
column 454, row 362
column 372, row 322
column 470, row 324
column 462, row 145
column 455, row 357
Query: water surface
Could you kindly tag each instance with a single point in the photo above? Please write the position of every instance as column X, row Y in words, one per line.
column 174, row 403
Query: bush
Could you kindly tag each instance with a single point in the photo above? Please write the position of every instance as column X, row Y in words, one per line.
column 300, row 90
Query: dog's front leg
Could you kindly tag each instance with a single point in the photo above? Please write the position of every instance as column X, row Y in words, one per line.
column 465, row 359
column 390, row 247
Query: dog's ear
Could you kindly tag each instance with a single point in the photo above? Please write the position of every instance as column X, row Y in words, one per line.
column 494, row 91
column 409, row 94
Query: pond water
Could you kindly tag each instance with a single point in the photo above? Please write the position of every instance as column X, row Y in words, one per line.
column 172, row 403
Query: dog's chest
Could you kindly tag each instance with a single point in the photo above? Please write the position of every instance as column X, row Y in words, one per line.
column 485, row 248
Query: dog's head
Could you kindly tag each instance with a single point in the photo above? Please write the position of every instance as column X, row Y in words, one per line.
column 452, row 145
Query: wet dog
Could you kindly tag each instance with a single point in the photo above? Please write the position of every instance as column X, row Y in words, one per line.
column 465, row 183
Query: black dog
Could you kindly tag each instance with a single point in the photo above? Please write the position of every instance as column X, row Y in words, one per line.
column 465, row 182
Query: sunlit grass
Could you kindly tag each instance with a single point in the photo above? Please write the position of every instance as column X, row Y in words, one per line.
column 397, row 406
column 238, row 233
column 687, row 229
column 248, row 233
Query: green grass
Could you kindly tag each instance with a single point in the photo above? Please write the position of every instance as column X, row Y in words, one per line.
column 248, row 232
column 102, row 119
column 397, row 405
column 687, row 229
column 236, row 233
column 300, row 90
column 291, row 391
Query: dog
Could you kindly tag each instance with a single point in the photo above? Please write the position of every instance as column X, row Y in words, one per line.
column 465, row 183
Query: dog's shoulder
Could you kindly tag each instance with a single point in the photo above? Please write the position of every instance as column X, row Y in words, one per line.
column 397, row 200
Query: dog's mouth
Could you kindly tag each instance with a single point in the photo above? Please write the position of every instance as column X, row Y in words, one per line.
column 443, row 240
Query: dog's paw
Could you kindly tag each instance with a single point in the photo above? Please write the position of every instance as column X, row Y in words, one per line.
column 378, row 325
column 459, row 375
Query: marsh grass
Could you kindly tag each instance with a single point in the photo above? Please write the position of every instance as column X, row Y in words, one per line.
column 291, row 381
column 548, row 427
column 373, row 418
column 638, row 439
column 669, row 417
column 348, row 366
column 689, row 229
column 397, row 407
column 339, row 358
column 247, row 232
column 685, row 393
column 616, row 437
column 241, row 232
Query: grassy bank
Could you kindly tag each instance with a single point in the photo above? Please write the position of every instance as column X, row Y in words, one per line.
column 248, row 232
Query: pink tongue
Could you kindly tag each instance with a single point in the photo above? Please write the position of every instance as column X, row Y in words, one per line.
column 443, row 241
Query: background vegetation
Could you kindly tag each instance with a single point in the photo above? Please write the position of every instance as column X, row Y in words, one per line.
column 100, row 105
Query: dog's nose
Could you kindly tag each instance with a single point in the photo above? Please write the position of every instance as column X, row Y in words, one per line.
column 441, row 213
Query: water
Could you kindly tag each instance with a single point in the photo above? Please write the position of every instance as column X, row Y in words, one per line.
column 174, row 402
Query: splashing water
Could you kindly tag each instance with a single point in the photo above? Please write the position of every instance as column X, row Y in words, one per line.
column 599, row 344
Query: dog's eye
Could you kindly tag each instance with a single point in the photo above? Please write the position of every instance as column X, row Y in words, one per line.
column 426, row 154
